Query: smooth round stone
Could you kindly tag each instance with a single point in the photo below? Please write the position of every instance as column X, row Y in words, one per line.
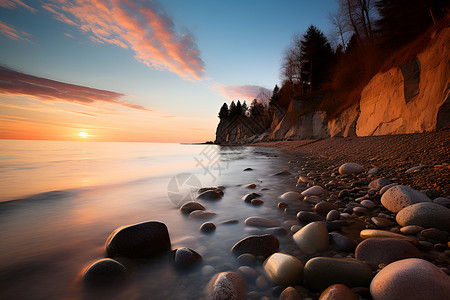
column 256, row 202
column 276, row 231
column 401, row 196
column 368, row 204
column 415, row 169
column 315, row 190
column 258, row 245
column 104, row 272
column 282, row 205
column 428, row 215
column 411, row 229
column 373, row 171
column 190, row 206
column 283, row 173
column 230, row 222
column 291, row 196
column 261, row 282
column 332, row 226
column 261, row 222
column 290, row 293
column 185, row 257
column 341, row 242
column 386, row 187
column 248, row 169
column 375, row 233
column 435, row 235
column 139, row 240
column 324, row 207
column 385, row 250
column 338, row 292
column 295, row 228
column 350, row 168
column 211, row 195
column 305, row 217
column 249, row 197
column 208, row 270
column 218, row 189
column 202, row 215
column 379, row 183
column 333, row 215
column 207, row 227
column 246, row 259
column 411, row 278
column 360, row 210
column 248, row 272
column 251, row 186
column 227, row 285
column 321, row 272
column 312, row 238
column 382, row 222
column 442, row 201
column 284, row 269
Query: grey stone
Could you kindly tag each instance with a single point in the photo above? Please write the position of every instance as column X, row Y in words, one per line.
column 400, row 196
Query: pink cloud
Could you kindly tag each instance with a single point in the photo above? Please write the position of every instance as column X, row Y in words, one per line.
column 10, row 32
column 243, row 92
column 142, row 26
column 20, row 84
column 12, row 4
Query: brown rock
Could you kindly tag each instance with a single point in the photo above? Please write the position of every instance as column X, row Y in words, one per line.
column 338, row 292
column 258, row 245
column 290, row 293
column 385, row 250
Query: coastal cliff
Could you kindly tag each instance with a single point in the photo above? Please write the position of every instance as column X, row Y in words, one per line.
column 410, row 98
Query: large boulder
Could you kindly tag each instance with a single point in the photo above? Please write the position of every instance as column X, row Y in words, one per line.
column 411, row 278
column 428, row 215
column 138, row 240
column 321, row 272
column 400, row 196
column 263, row 245
column 227, row 286
column 312, row 238
column 385, row 250
column 104, row 272
column 284, row 269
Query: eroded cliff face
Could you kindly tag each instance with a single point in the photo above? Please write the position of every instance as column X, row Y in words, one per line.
column 408, row 99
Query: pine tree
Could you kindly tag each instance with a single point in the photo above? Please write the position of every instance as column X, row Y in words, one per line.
column 224, row 113
column 275, row 95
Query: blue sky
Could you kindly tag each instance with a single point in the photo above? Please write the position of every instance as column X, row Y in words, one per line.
column 217, row 46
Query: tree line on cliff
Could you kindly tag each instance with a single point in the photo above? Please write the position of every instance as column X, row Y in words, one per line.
column 367, row 33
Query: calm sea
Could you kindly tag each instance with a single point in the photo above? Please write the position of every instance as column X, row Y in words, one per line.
column 59, row 201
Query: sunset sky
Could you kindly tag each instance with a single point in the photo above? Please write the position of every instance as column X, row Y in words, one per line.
column 146, row 71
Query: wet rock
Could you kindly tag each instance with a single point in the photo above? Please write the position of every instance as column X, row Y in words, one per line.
column 257, row 245
column 207, row 227
column 283, row 173
column 248, row 169
column 411, row 278
column 375, row 233
column 382, row 222
column 218, row 189
column 385, row 250
column 305, row 217
column 251, row 186
column 202, row 215
column 185, row 257
column 428, row 215
column 401, row 196
column 208, row 270
column 338, row 292
column 282, row 205
column 341, row 242
column 331, row 226
column 291, row 196
column 324, row 207
column 276, row 231
column 105, row 272
column 350, row 168
column 249, row 197
column 256, row 202
column 227, row 285
column 261, row 222
column 333, row 215
column 230, row 222
column 313, row 191
column 248, row 272
column 312, row 238
column 321, row 272
column 210, row 195
column 284, row 269
column 190, row 206
column 290, row 293
column 379, row 183
column 246, row 259
column 139, row 240
column 261, row 282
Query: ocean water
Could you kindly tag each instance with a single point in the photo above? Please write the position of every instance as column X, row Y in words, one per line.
column 59, row 201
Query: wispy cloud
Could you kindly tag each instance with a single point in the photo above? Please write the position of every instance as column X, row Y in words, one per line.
column 12, row 33
column 20, row 84
column 243, row 92
column 140, row 25
column 12, row 4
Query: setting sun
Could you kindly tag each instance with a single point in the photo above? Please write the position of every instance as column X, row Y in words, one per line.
column 83, row 134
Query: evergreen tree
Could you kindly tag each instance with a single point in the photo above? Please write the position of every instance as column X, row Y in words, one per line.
column 275, row 95
column 244, row 108
column 224, row 113
column 235, row 110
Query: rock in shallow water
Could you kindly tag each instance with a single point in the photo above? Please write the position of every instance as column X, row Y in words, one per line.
column 207, row 227
column 284, row 269
column 321, row 272
column 411, row 278
column 313, row 191
column 385, row 250
column 261, row 222
column 104, row 272
column 190, row 206
column 425, row 214
column 185, row 258
column 139, row 240
column 258, row 245
column 312, row 238
column 400, row 196
column 227, row 285
column 291, row 196
column 211, row 195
